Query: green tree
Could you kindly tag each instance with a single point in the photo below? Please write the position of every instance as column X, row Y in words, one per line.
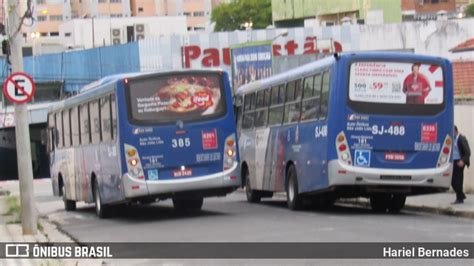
column 229, row 17
column 469, row 10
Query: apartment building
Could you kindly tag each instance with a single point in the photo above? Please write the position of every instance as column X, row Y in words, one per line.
column 197, row 12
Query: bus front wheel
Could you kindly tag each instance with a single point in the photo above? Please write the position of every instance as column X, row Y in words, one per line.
column 188, row 204
column 292, row 197
column 69, row 205
column 252, row 195
column 101, row 209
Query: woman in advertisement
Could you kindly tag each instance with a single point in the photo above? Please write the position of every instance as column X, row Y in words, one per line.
column 416, row 86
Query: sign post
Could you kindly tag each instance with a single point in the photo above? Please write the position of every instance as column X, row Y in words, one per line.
column 19, row 88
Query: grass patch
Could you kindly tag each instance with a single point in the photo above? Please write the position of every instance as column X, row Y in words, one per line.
column 13, row 209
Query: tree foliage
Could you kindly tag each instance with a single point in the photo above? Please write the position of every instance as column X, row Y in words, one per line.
column 229, row 17
column 469, row 10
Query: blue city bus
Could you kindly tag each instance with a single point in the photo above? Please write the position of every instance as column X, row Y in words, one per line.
column 142, row 137
column 375, row 125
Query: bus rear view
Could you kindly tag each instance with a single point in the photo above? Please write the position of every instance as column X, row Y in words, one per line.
column 178, row 138
column 396, row 136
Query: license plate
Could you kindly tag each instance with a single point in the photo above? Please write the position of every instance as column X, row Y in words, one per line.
column 394, row 156
column 395, row 177
column 182, row 173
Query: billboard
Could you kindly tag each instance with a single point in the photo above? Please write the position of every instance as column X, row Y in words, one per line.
column 250, row 62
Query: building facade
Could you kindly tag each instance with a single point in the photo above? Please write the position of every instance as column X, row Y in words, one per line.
column 298, row 13
column 429, row 9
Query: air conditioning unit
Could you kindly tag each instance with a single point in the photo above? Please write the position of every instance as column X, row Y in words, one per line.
column 116, row 36
column 139, row 32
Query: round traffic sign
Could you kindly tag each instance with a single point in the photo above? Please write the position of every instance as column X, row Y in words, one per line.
column 19, row 88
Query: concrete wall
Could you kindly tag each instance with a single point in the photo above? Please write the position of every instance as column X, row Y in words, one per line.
column 463, row 118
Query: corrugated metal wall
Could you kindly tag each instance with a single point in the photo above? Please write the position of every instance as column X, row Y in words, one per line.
column 78, row 68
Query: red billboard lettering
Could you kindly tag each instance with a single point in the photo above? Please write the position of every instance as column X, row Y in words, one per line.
column 291, row 47
column 211, row 57
column 190, row 53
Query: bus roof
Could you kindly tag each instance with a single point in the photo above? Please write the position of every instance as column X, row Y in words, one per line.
column 101, row 86
column 309, row 68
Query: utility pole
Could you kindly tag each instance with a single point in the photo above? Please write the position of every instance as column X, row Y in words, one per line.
column 22, row 131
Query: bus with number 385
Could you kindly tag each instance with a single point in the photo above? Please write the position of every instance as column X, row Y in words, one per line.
column 143, row 137
column 375, row 125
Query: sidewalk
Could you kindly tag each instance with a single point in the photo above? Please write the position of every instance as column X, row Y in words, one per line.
column 11, row 232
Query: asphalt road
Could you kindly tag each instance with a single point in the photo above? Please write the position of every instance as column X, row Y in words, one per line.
column 232, row 219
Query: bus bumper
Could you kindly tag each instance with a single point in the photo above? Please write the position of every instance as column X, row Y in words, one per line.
column 344, row 175
column 134, row 188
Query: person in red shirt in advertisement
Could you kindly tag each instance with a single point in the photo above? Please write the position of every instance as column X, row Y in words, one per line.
column 416, row 86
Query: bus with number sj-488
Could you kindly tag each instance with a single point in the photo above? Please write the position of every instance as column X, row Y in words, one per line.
column 142, row 137
column 376, row 125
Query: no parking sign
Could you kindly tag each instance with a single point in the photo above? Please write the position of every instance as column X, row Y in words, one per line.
column 19, row 88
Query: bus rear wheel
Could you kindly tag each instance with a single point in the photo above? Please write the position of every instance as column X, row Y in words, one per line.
column 101, row 209
column 188, row 204
column 293, row 199
column 69, row 205
column 252, row 195
column 397, row 202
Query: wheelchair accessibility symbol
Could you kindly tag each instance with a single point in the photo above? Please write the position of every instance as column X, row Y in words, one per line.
column 362, row 158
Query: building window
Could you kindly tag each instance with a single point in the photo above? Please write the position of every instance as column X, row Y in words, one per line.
column 40, row 2
column 115, row 1
column 56, row 18
column 140, row 9
column 102, row 1
column 67, row 34
column 198, row 14
column 54, row 33
column 43, row 34
column 41, row 18
column 116, row 15
column 188, row 14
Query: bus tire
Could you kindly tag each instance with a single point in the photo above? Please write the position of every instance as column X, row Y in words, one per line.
column 101, row 209
column 252, row 195
column 293, row 199
column 379, row 202
column 69, row 205
column 188, row 204
column 397, row 202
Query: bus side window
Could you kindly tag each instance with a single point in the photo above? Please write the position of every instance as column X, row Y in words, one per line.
column 290, row 91
column 249, row 111
column 267, row 97
column 293, row 104
column 113, row 111
column 75, row 126
column 312, row 91
column 66, row 128
column 275, row 114
column 274, row 96
column 325, row 95
column 298, row 89
column 106, row 126
column 261, row 114
column 281, row 94
column 95, row 121
column 308, row 87
column 85, row 126
column 59, row 130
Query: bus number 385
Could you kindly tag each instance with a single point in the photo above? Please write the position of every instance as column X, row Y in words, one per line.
column 180, row 142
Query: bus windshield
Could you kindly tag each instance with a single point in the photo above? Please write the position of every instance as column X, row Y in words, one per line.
column 170, row 98
column 397, row 88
